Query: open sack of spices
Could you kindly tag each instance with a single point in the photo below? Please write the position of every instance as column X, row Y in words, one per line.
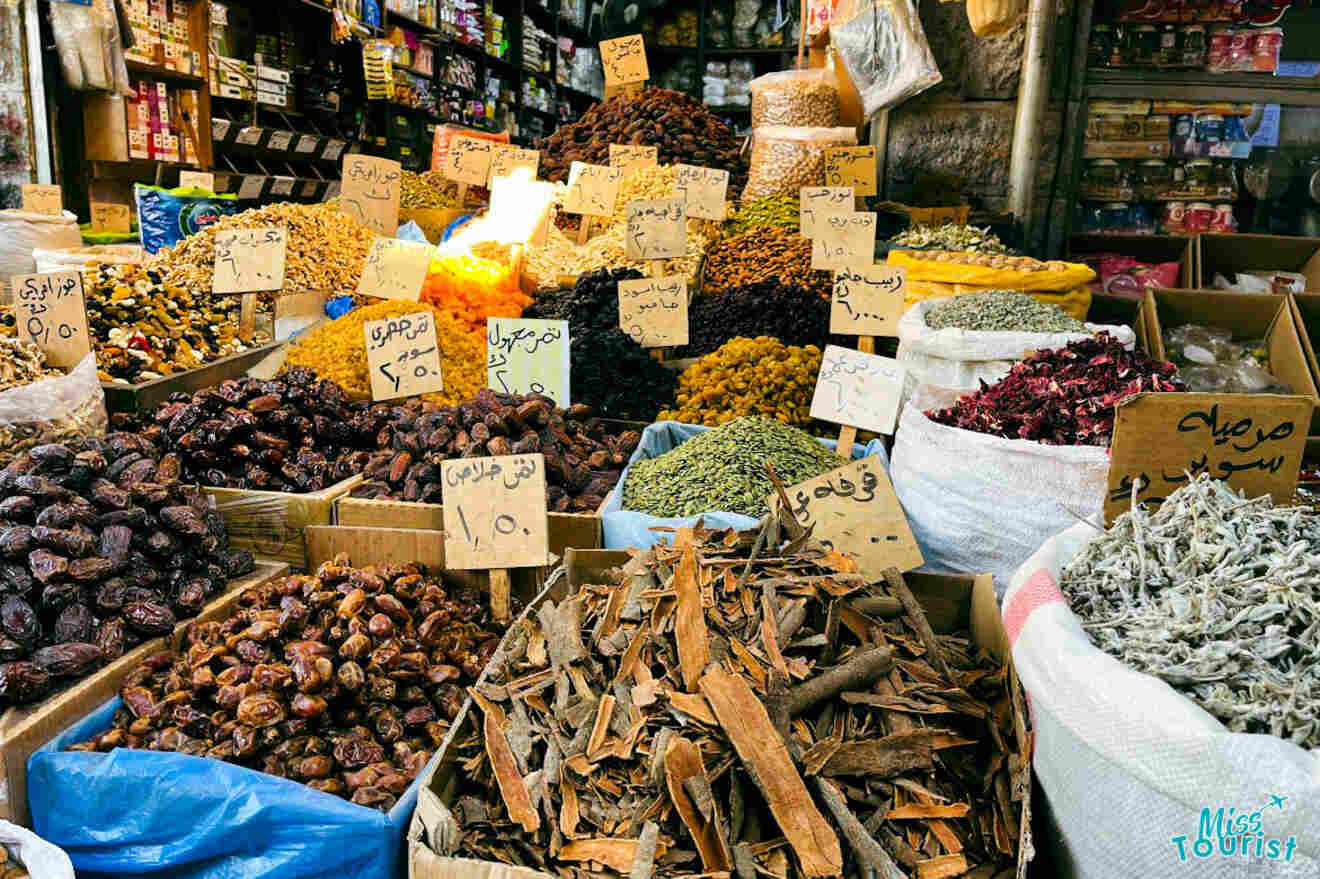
column 938, row 274
column 739, row 703
column 985, row 481
column 1175, row 686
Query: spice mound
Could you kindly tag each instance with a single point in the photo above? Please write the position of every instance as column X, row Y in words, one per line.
column 345, row 680
column 951, row 236
column 635, row 729
column 1000, row 310
column 763, row 253
column 760, row 376
column 1064, row 397
column 724, row 469
column 101, row 548
column 583, row 458
column 338, row 351
column 1215, row 595
column 792, row 314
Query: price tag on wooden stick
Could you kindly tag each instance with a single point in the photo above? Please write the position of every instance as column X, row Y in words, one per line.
column 468, row 160
column 395, row 269
column 527, row 356
column 110, row 217
column 592, row 189
column 249, row 260
column 854, row 510
column 627, row 156
column 49, row 311
column 202, row 179
column 370, row 192
column 867, row 301
column 624, row 60
column 505, row 160
column 703, row 191
column 857, row 389
column 844, row 240
column 43, row 198
column 654, row 311
column 851, row 166
column 817, row 202
column 495, row 513
column 657, row 229
column 403, row 357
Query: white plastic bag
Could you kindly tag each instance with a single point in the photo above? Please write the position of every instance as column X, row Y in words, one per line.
column 52, row 410
column 1128, row 763
column 884, row 51
column 957, row 359
column 41, row 859
column 22, row 232
column 984, row 503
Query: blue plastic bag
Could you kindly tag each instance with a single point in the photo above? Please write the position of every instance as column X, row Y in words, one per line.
column 410, row 231
column 171, row 816
column 623, row 529
column 167, row 216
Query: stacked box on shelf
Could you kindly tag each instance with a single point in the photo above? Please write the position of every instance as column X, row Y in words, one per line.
column 161, row 35
column 152, row 131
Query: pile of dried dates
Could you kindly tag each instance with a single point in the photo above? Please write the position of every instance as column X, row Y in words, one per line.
column 101, row 548
column 279, row 435
column 583, row 459
column 345, row 680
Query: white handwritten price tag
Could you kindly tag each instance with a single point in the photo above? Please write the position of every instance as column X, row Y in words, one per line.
column 202, row 179
column 1254, row 442
column 843, row 241
column 703, row 191
column 249, row 136
column 251, row 186
column 43, row 198
column 49, row 311
column 861, row 390
column 654, row 311
column 851, row 166
column 395, row 269
column 592, row 189
column 370, row 192
column 854, row 510
column 333, row 150
column 249, row 260
column 282, row 186
column 468, row 160
column 624, row 60
column 657, row 229
column 220, row 128
column 817, row 202
column 867, row 301
column 279, row 140
column 110, row 217
column 495, row 515
column 306, row 143
column 505, row 160
column 628, row 156
column 525, row 356
column 403, row 357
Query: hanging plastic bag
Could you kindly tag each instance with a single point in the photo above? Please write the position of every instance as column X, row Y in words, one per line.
column 91, row 54
column 884, row 50
column 52, row 410
column 786, row 158
column 795, row 97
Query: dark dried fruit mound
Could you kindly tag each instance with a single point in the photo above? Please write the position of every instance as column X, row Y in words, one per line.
column 1063, row 397
column 583, row 459
column 101, row 548
column 788, row 312
column 279, row 435
column 611, row 373
column 345, row 681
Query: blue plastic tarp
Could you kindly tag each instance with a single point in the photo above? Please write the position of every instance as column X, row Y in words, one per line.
column 623, row 528
column 169, row 815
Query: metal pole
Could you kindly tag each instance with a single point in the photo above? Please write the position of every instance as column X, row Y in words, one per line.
column 1028, row 127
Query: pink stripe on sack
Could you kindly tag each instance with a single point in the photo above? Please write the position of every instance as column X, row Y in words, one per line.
column 1038, row 591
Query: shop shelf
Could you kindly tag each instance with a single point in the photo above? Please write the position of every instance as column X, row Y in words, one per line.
column 1197, row 86
column 165, row 73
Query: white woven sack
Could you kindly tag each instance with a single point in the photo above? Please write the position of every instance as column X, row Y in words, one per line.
column 42, row 859
column 961, row 359
column 21, row 232
column 1128, row 764
column 983, row 503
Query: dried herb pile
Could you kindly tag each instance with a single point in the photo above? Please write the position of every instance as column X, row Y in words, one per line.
column 611, row 373
column 703, row 714
column 1001, row 310
column 1063, row 397
column 788, row 312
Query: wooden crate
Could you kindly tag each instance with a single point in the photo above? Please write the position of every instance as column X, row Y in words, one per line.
column 24, row 730
column 144, row 396
column 270, row 523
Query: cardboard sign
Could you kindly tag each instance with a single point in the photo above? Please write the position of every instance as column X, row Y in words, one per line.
column 592, row 189
column 624, row 60
column 867, row 301
column 202, row 179
column 844, row 241
column 861, row 390
column 43, row 198
column 249, row 260
column 504, row 160
column 703, row 191
column 495, row 515
column 110, row 217
column 1254, row 442
column 370, row 192
column 395, row 269
column 817, row 202
column 468, row 160
column 854, row 510
column 626, row 155
column 49, row 311
column 657, row 229
column 654, row 311
column 403, row 357
column 851, row 166
column 525, row 356
column 627, row 88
